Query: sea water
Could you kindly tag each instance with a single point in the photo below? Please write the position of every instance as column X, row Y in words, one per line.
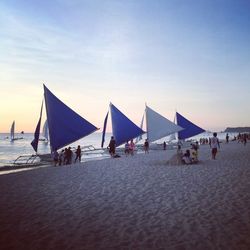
column 9, row 151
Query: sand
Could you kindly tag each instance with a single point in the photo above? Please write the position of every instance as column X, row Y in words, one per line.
column 137, row 202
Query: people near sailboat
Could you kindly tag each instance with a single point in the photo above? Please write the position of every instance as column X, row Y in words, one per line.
column 67, row 156
column 126, row 151
column 78, row 154
column 214, row 145
column 55, row 157
column 65, row 153
column 146, row 146
column 112, row 146
column 132, row 147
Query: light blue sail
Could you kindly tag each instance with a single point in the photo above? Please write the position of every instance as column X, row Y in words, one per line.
column 190, row 129
column 123, row 128
column 65, row 125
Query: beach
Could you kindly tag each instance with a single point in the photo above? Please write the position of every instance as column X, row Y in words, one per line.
column 138, row 202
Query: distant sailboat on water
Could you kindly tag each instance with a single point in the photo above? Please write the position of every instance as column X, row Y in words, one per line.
column 12, row 133
column 45, row 132
column 122, row 127
column 190, row 129
column 65, row 126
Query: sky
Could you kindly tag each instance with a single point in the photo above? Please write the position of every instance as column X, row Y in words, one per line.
column 190, row 56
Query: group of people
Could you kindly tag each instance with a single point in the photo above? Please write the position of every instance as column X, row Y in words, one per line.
column 129, row 147
column 66, row 156
column 243, row 138
column 190, row 156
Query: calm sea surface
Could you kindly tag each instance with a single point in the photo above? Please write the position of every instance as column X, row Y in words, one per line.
column 9, row 151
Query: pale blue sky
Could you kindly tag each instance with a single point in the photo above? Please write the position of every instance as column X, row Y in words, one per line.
column 189, row 56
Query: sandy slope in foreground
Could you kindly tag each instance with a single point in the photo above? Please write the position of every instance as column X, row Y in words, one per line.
column 130, row 203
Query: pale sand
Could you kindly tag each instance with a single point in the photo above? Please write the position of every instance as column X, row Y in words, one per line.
column 136, row 202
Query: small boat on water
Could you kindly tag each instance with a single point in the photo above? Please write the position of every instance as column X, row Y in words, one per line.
column 12, row 133
column 45, row 133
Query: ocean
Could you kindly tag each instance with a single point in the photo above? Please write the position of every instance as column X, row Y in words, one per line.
column 9, row 151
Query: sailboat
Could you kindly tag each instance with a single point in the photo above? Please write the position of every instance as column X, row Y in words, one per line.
column 65, row 126
column 158, row 126
column 190, row 129
column 45, row 132
column 122, row 127
column 12, row 133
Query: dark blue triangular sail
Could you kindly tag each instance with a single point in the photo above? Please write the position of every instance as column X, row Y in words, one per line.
column 35, row 141
column 65, row 125
column 104, row 129
column 123, row 128
column 190, row 129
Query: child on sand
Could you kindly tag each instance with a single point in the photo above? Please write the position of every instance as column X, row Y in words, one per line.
column 186, row 158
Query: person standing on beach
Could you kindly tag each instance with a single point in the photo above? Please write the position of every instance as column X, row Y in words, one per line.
column 131, row 147
column 78, row 154
column 146, row 146
column 214, row 144
column 111, row 146
column 55, row 157
column 126, row 148
column 227, row 138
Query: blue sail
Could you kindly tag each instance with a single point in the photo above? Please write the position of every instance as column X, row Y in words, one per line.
column 104, row 129
column 190, row 129
column 123, row 128
column 35, row 141
column 65, row 125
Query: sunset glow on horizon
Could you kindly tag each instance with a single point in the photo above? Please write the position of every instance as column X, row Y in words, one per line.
column 187, row 56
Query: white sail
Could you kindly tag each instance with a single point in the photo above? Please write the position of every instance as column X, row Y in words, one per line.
column 173, row 136
column 46, row 130
column 140, row 137
column 12, row 131
column 159, row 126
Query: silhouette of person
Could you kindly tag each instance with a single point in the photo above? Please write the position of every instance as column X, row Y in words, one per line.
column 111, row 146
column 78, row 154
